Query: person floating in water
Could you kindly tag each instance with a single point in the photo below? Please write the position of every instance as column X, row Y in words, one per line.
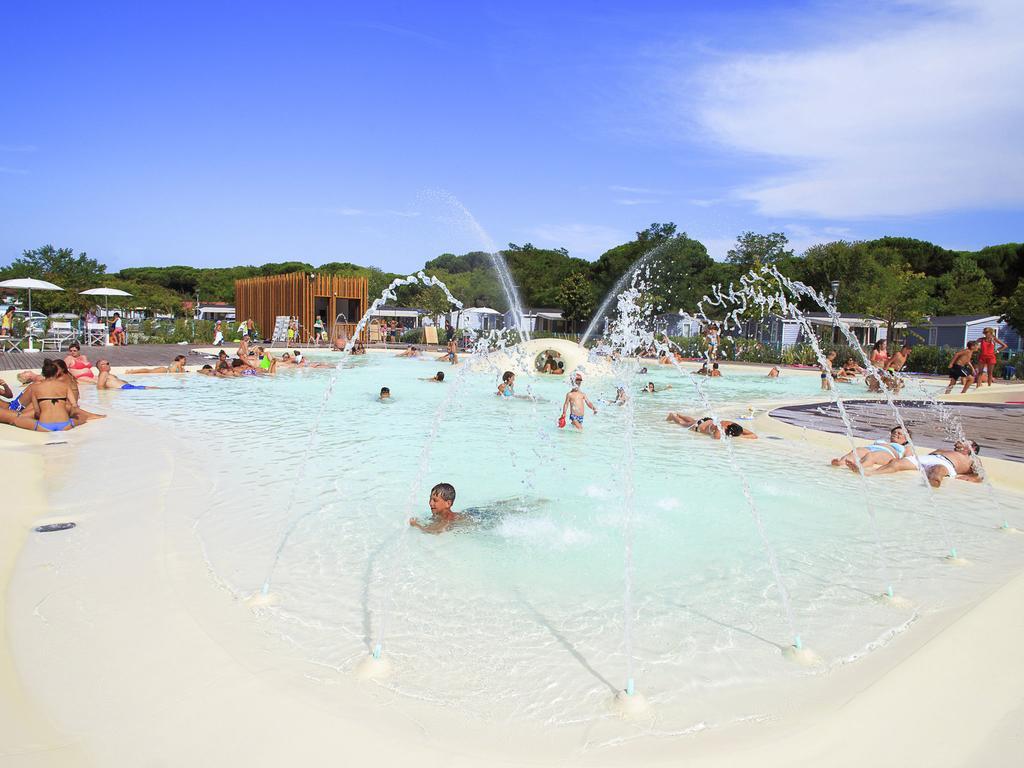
column 442, row 517
column 773, row 373
column 575, row 401
column 707, row 426
column 176, row 366
column 437, row 378
column 107, row 380
column 385, row 395
column 961, row 463
column 651, row 389
column 410, row 352
column 878, row 453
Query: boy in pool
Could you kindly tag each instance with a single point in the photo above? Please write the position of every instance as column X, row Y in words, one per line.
column 575, row 401
column 437, row 378
column 385, row 394
column 442, row 518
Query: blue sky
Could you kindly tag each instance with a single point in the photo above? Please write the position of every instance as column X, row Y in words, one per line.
column 227, row 133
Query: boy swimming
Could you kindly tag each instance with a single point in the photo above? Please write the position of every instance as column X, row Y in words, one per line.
column 442, row 518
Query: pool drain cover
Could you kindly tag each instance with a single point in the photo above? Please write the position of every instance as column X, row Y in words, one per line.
column 54, row 527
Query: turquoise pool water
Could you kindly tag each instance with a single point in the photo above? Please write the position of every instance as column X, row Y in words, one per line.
column 522, row 618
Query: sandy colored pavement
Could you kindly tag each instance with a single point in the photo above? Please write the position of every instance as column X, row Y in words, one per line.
column 120, row 649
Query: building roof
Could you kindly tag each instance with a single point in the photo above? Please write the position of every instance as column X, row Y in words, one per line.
column 533, row 311
column 945, row 320
column 859, row 321
column 393, row 311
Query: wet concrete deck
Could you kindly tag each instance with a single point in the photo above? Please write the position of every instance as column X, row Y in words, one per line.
column 997, row 427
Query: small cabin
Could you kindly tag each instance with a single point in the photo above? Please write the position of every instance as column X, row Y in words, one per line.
column 956, row 330
column 338, row 302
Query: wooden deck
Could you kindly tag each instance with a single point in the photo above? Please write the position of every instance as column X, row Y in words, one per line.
column 131, row 355
column 997, row 427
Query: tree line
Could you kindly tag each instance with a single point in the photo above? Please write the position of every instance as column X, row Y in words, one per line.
column 893, row 278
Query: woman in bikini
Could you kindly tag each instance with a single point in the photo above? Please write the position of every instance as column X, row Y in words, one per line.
column 987, row 356
column 877, row 454
column 53, row 402
column 65, row 375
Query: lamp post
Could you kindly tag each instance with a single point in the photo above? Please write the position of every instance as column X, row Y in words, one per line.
column 833, row 297
column 195, row 312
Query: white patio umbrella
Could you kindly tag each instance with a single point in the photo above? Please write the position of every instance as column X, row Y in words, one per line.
column 106, row 293
column 30, row 284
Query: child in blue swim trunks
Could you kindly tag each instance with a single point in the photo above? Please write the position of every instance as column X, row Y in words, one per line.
column 575, row 401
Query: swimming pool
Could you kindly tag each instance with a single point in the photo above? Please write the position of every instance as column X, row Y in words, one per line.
column 521, row 618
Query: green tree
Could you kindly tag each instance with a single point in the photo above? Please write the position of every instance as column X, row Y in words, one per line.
column 753, row 251
column 1013, row 312
column 576, row 298
column 928, row 258
column 891, row 290
column 1003, row 265
column 615, row 262
column 965, row 290
column 538, row 272
column 61, row 267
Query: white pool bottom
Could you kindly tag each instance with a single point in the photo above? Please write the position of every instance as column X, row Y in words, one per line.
column 523, row 622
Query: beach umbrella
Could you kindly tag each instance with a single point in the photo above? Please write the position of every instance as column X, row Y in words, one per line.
column 106, row 293
column 30, row 284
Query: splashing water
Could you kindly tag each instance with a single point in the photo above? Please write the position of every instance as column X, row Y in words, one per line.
column 638, row 340
column 616, row 290
column 508, row 284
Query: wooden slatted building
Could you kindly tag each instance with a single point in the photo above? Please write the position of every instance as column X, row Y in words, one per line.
column 338, row 301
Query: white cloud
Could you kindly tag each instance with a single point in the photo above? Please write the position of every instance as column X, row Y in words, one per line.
column 582, row 240
column 907, row 121
column 637, row 190
column 636, row 201
column 364, row 212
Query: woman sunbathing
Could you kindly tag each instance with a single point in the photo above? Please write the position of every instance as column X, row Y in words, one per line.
column 878, row 454
column 53, row 402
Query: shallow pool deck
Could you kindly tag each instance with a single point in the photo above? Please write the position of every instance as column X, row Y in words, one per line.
column 147, row 641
